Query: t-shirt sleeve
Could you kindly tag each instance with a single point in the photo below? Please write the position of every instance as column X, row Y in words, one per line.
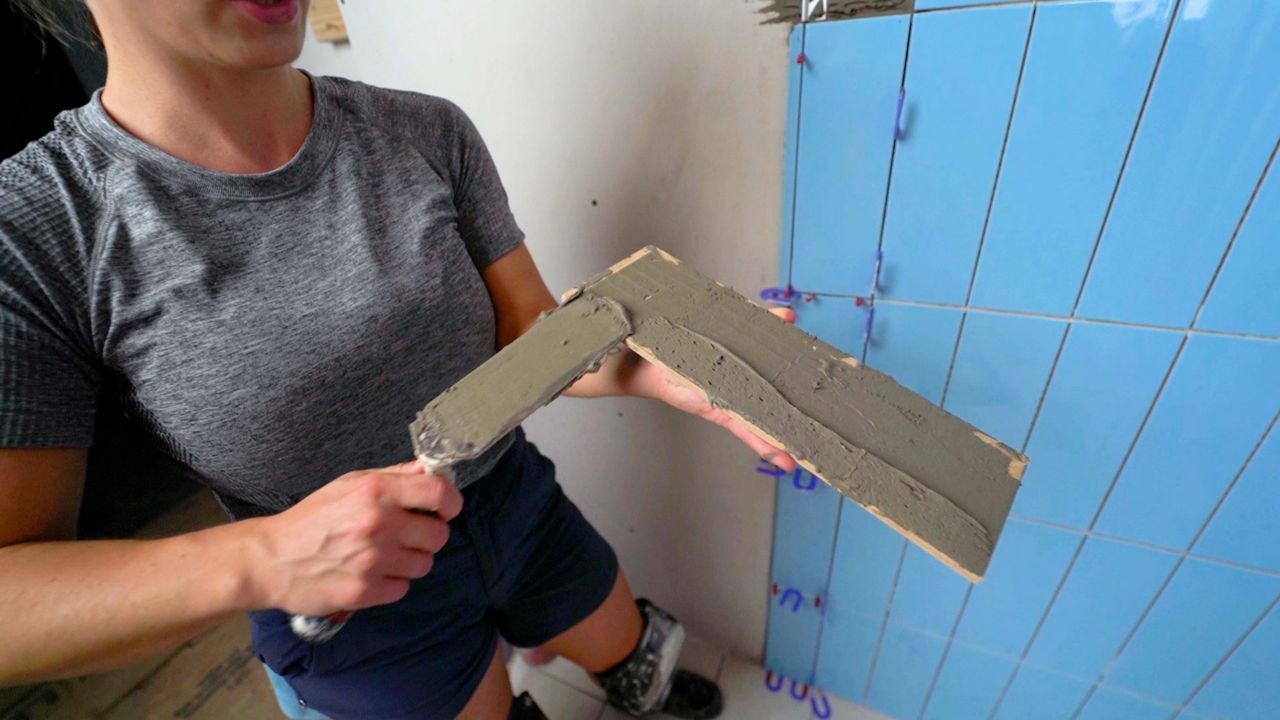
column 485, row 222
column 48, row 391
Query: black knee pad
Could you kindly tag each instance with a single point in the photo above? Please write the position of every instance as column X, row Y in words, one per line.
column 640, row 684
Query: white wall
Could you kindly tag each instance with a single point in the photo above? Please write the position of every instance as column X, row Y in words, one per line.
column 670, row 115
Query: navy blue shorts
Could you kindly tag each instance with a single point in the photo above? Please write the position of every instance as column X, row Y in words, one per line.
column 521, row 562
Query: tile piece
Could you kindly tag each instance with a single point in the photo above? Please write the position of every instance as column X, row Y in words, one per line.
column 852, row 72
column 943, row 483
column 1108, row 590
column 1103, row 386
column 1202, row 614
column 928, row 595
column 1085, row 77
column 961, row 74
column 1209, row 127
column 1218, row 401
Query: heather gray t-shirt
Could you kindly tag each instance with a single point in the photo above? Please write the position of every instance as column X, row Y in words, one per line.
column 274, row 330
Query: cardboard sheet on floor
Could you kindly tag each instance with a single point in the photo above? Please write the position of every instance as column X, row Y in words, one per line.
column 943, row 484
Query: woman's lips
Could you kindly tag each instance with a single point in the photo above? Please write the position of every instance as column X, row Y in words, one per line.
column 275, row 12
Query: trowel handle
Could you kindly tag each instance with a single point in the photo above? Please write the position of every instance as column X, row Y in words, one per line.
column 322, row 629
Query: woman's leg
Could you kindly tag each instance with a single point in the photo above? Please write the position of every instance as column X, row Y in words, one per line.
column 492, row 700
column 607, row 636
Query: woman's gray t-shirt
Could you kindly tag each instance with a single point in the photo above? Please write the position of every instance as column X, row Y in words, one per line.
column 273, row 331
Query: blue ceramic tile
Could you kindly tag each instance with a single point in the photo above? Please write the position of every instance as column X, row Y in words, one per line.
column 1001, row 371
column 969, row 685
column 852, row 73
column 865, row 563
column 805, row 526
column 1247, row 294
column 836, row 320
column 791, row 640
column 1220, row 398
column 1204, row 612
column 1244, row 530
column 940, row 4
column 1086, row 73
column 960, row 82
column 806, row 513
column 904, row 671
column 1042, row 695
column 914, row 344
column 1247, row 687
column 1210, row 125
column 1110, row 704
column 1006, row 606
column 1109, row 587
column 789, row 153
column 1103, row 386
column 929, row 594
column 849, row 643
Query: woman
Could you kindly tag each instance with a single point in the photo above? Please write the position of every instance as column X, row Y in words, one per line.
column 275, row 270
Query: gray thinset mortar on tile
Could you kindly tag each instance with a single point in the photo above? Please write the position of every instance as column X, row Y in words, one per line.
column 937, row 480
column 532, row 370
column 788, row 11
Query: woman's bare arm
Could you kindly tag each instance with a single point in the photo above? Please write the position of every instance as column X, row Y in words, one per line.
column 519, row 296
column 74, row 607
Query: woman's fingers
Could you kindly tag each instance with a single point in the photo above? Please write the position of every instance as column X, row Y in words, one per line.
column 760, row 446
column 785, row 313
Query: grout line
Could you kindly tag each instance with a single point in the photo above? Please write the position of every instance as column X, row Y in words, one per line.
column 884, row 623
column 1128, row 152
column 822, row 616
column 1226, row 657
column 1182, row 558
column 1070, row 319
column 1244, row 216
column 795, row 162
column 946, row 651
column 1118, row 539
column 1044, row 394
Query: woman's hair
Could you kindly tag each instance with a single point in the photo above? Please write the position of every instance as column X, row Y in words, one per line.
column 69, row 21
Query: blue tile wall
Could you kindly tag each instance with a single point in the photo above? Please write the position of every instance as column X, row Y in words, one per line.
column 1220, row 398
column 805, row 529
column 862, row 573
column 852, row 73
column 1139, row 573
column 1246, row 296
column 1210, row 125
column 1089, row 418
column 1108, row 704
column 1042, row 695
column 1077, row 108
column 1201, row 615
column 969, row 685
column 1247, row 687
column 1109, row 588
column 904, row 671
column 1244, row 529
column 1000, row 372
column 961, row 74
column 1006, row 606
